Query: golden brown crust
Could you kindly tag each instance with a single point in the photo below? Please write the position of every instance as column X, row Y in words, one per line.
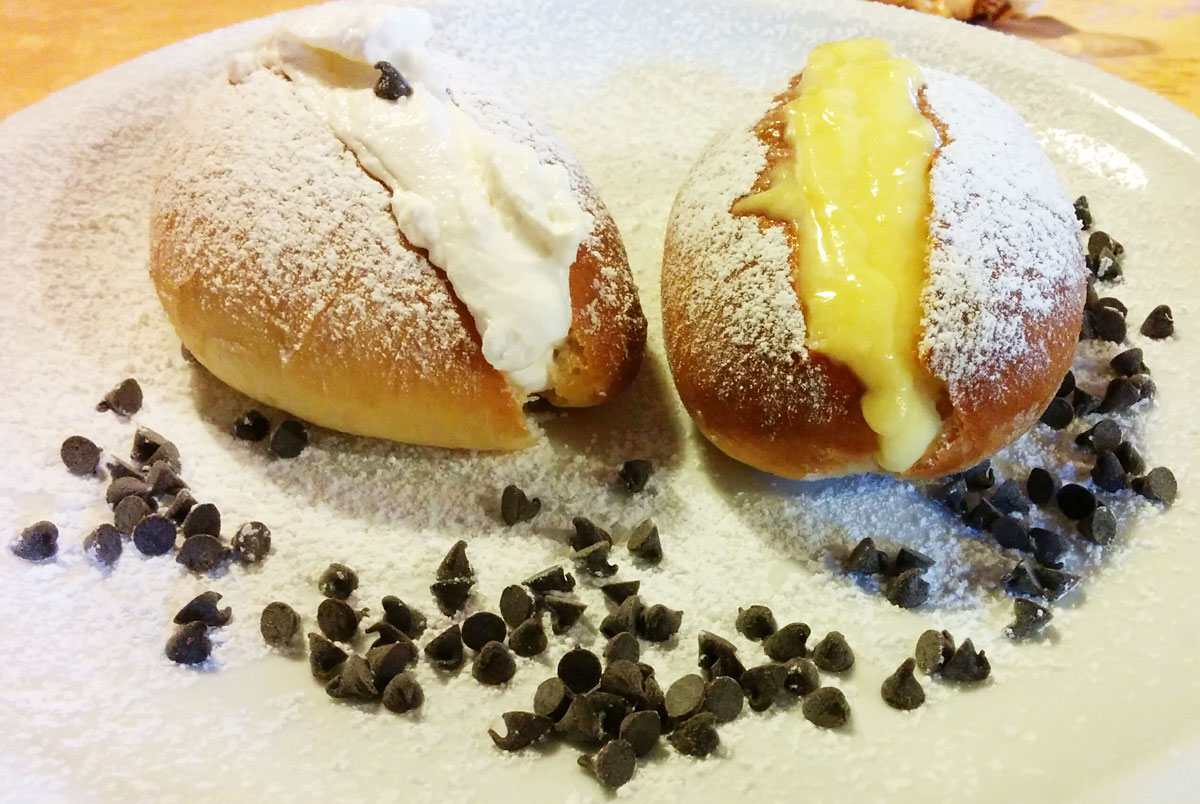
column 764, row 420
column 288, row 279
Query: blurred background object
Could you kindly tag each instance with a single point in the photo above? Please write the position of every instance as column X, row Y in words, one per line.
column 972, row 10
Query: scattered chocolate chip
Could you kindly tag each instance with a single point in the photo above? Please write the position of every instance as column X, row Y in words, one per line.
column 593, row 560
column 1128, row 363
column 1159, row 324
column 163, row 480
column 119, row 467
column 124, row 400
column 385, row 633
column 908, row 558
column 494, row 664
column 612, row 765
column 755, row 623
column 124, row 487
column 201, row 553
column 1009, row 532
column 1075, row 501
column 865, row 558
column 1145, row 386
column 338, row 581
column 528, row 638
column 189, row 644
column 1055, row 583
column 685, row 697
column 980, row 476
column 168, row 454
column 789, row 642
column 516, row 605
column 826, row 707
column 252, row 542
column 564, row 611
column 552, row 699
column 1030, row 619
column 627, row 617
column 103, row 544
column 718, row 656
column 37, row 542
column 1131, row 460
column 634, row 474
column 1048, row 547
column 252, row 426
column 154, row 535
column 337, row 620
column 202, row 518
column 1041, row 486
column 80, row 455
column 445, row 651
column 289, row 439
column 516, row 507
column 129, row 512
column 934, row 649
column 324, row 657
column 981, row 514
column 354, row 682
column 279, row 624
column 1067, row 385
column 388, row 661
column 967, row 664
column 642, row 730
column 833, row 654
column 410, row 621
column 582, row 722
column 391, row 85
column 1108, row 474
column 623, row 647
column 763, row 685
column 659, row 623
column 1102, row 241
column 907, row 590
column 580, row 670
column 901, row 690
column 1084, row 402
column 624, row 678
column 1108, row 324
column 948, row 491
column 456, row 563
column 697, row 737
column 146, row 442
column 1058, row 414
column 522, row 729
column 619, row 590
column 1009, row 499
column 1082, row 213
column 611, row 709
column 1022, row 581
column 403, row 694
column 801, row 677
column 1105, row 434
column 451, row 595
column 203, row 609
column 1122, row 393
column 180, row 506
column 553, row 579
column 481, row 628
column 587, row 533
column 645, row 543
column 1159, row 485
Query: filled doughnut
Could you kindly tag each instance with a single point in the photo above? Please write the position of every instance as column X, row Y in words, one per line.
column 356, row 228
column 882, row 273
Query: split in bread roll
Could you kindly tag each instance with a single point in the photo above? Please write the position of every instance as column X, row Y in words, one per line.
column 357, row 229
column 881, row 274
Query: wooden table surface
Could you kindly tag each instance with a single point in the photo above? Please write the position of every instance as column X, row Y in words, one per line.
column 49, row 44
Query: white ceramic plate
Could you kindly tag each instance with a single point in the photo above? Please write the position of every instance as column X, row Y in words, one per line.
column 1105, row 709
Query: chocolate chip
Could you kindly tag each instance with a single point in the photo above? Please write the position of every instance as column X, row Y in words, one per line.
column 1058, row 414
column 180, row 506
column 124, row 487
column 1075, row 501
column 1030, row 619
column 124, row 400
column 289, row 439
column 622, row 647
column 756, row 623
column 146, row 442
column 1108, row 473
column 203, row 518
column 980, row 476
column 685, row 697
column 634, row 474
column 826, row 707
column 907, row 558
column 1008, row 498
column 934, row 649
column 1048, row 547
column 1055, row 583
column 1011, row 533
column 967, row 664
column 1084, row 402
column 1108, row 324
column 907, row 590
column 582, row 722
column 279, row 623
column 1105, row 434
column 1128, row 363
column 723, row 697
column 553, row 579
column 901, row 690
column 103, row 544
column 410, row 621
column 403, row 694
column 203, row 609
column 80, row 455
column 119, row 468
column 624, row 678
column 866, row 559
column 481, row 628
column 163, row 479
column 451, row 595
column 800, row 677
column 1131, row 460
column 697, row 737
column 516, row 507
column 789, row 642
column 1067, row 385
column 619, row 590
column 552, row 699
column 763, row 685
column 593, row 560
column 659, row 623
column 129, row 512
column 1158, row 486
column 354, row 682
column 385, row 633
column 445, row 651
column 190, row 644
column 522, row 729
column 154, row 535
column 1122, row 393
column 391, row 85
column 252, row 426
column 1041, row 486
column 494, row 664
column 627, row 617
column 580, row 670
column 645, row 543
column 1022, row 581
column 564, row 611
column 389, row 661
column 37, row 542
column 612, row 765
column 337, row 620
column 1146, row 387
column 252, row 542
column 981, row 514
column 1082, row 213
column 1159, row 324
column 528, row 638
column 642, row 730
column 324, row 657
column 338, row 581
column 456, row 563
column 1101, row 241
column 587, row 533
column 516, row 605
column 201, row 553
column 718, row 656
column 833, row 654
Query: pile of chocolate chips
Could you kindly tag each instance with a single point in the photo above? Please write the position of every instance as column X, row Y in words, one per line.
column 900, row 576
column 935, row 655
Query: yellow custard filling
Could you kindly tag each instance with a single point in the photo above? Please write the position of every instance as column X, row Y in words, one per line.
column 857, row 192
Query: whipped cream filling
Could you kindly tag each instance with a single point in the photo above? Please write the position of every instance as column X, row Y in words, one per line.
column 503, row 226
